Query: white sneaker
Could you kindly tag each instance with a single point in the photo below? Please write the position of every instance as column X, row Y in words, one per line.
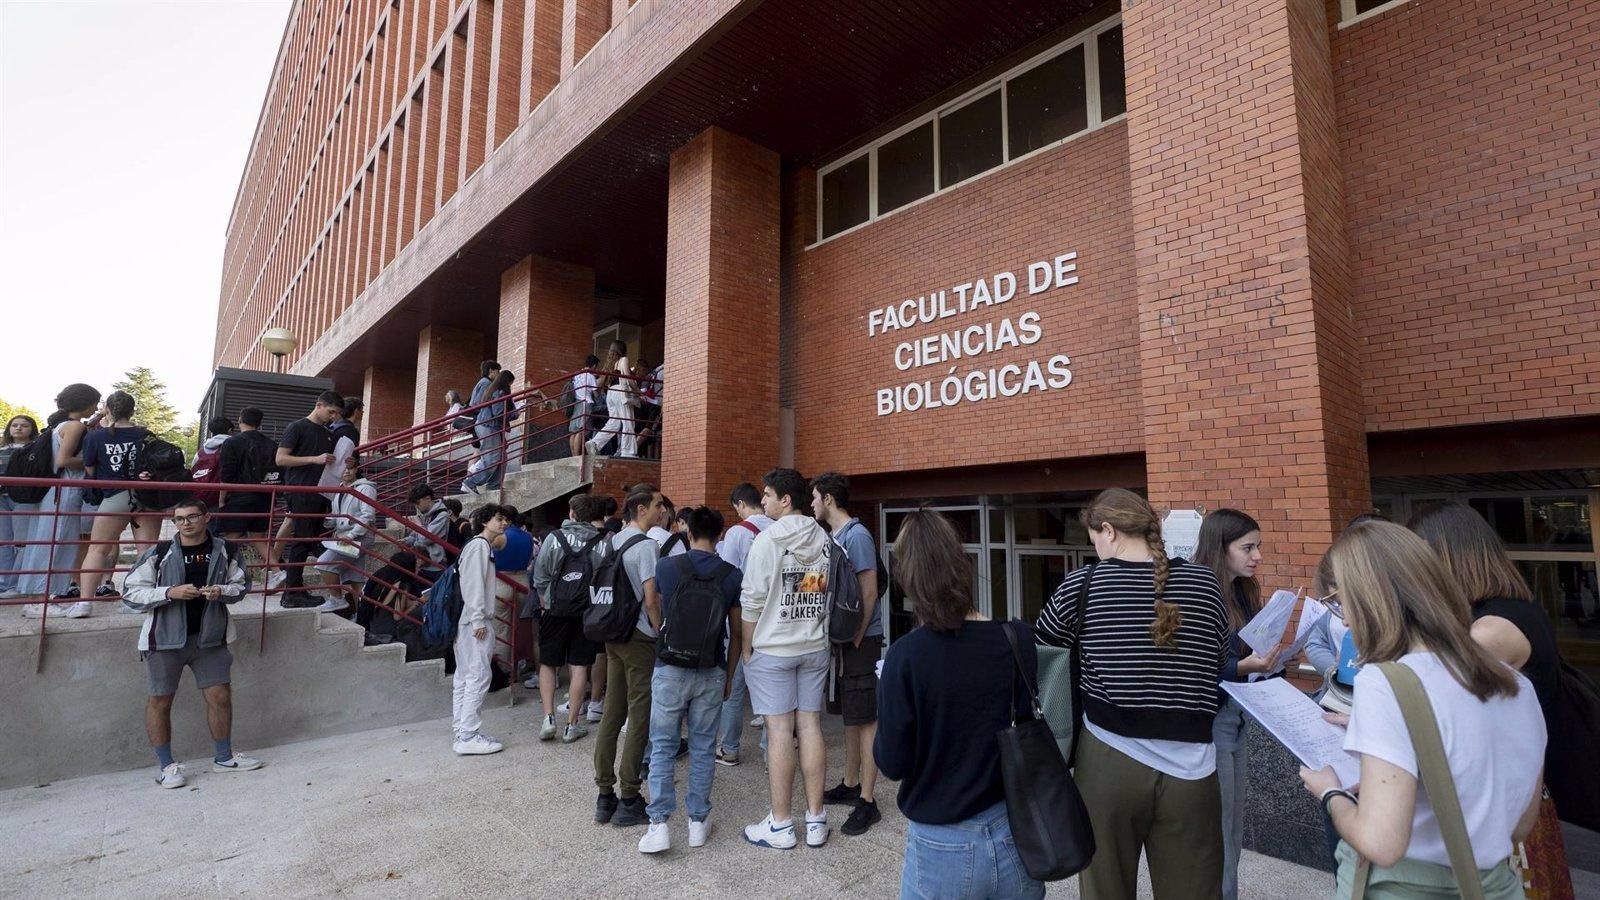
column 596, row 711
column 171, row 776
column 564, row 708
column 656, row 839
column 80, row 610
column 699, row 832
column 573, row 732
column 817, row 829
column 236, row 763
column 532, row 684
column 334, row 604
column 477, row 745
column 758, row 722
column 547, row 729
column 767, row 834
column 276, row 580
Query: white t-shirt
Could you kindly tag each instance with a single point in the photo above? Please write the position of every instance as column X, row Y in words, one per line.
column 583, row 385
column 661, row 536
column 1496, row 752
column 1186, row 760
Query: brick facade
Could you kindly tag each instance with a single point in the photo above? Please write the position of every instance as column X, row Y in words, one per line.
column 388, row 396
column 447, row 359
column 546, row 320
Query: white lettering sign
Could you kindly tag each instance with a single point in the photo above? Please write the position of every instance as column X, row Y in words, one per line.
column 963, row 342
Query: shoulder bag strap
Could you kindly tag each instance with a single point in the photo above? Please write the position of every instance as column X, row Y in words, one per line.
column 1022, row 672
column 1434, row 768
column 1075, row 664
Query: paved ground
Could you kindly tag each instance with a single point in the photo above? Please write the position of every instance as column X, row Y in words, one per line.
column 394, row 813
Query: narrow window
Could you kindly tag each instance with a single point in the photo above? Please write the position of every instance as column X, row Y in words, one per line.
column 969, row 140
column 905, row 168
column 846, row 196
column 1048, row 102
column 1113, row 90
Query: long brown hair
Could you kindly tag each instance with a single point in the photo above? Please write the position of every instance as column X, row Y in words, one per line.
column 1132, row 515
column 1397, row 594
column 1218, row 532
column 32, row 425
column 933, row 570
column 1471, row 552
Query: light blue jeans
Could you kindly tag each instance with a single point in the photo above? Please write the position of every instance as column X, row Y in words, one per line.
column 491, row 443
column 1227, row 732
column 730, row 727
column 12, row 529
column 970, row 859
column 59, row 557
column 677, row 693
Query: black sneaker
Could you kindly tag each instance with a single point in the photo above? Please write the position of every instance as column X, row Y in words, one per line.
column 861, row 818
column 605, row 806
column 630, row 813
column 299, row 600
column 841, row 794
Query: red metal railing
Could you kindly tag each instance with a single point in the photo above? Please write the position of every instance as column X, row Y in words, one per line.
column 42, row 528
column 533, row 424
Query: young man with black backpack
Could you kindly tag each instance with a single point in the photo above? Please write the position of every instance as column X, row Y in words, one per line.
column 247, row 457
column 699, row 610
column 626, row 580
column 562, row 575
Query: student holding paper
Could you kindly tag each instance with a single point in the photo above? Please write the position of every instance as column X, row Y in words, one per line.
column 1230, row 546
column 1403, row 607
column 1152, row 643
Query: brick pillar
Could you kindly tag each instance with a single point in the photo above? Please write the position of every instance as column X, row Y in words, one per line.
column 1248, row 355
column 388, row 394
column 721, row 381
column 447, row 358
column 583, row 23
column 558, row 298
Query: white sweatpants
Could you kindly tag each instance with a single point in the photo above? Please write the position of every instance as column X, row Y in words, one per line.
column 620, row 422
column 471, row 681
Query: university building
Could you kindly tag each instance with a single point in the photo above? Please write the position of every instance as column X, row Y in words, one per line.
column 1307, row 258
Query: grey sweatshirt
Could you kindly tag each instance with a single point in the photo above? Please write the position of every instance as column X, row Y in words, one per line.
column 166, row 625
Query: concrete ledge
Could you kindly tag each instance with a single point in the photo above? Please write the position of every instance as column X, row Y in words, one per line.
column 83, row 713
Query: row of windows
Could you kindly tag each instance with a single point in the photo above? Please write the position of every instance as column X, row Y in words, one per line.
column 1074, row 87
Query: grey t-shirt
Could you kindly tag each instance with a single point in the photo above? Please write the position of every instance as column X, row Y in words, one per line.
column 640, row 564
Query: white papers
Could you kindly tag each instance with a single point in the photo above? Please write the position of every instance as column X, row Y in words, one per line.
column 333, row 472
column 1310, row 614
column 1296, row 721
column 1263, row 632
column 1180, row 531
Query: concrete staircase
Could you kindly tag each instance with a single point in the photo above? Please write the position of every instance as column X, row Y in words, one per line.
column 83, row 712
column 536, row 484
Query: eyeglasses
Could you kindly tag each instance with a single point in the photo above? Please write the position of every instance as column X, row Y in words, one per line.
column 188, row 520
column 1334, row 606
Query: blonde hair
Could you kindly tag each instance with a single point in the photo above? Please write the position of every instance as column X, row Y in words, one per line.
column 1397, row 594
column 1131, row 514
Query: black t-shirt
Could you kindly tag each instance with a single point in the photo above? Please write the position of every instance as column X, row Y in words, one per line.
column 305, row 438
column 246, row 458
column 196, row 567
column 1543, row 667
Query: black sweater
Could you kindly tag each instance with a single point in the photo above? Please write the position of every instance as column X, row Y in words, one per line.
column 943, row 700
column 1132, row 687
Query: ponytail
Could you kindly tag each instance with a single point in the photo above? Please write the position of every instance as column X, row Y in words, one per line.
column 1131, row 514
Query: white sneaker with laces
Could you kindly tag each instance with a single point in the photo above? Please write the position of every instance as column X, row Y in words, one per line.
column 699, row 833
column 276, row 580
column 564, row 708
column 817, row 829
column 531, row 684
column 596, row 710
column 236, row 763
column 656, row 839
column 477, row 745
column 80, row 610
column 171, row 776
column 547, row 728
column 758, row 722
column 574, row 731
column 334, row 604
column 767, row 833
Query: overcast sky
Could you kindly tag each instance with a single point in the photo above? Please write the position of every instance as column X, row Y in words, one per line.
column 124, row 126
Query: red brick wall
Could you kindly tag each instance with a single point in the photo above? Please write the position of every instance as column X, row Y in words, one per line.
column 546, row 320
column 388, row 396
column 582, row 24
column 613, row 477
column 720, row 399
column 447, row 358
column 1072, row 198
column 1471, row 145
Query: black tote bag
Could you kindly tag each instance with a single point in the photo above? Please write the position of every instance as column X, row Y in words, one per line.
column 1049, row 823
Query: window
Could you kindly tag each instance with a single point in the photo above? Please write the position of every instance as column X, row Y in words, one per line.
column 905, row 168
column 1069, row 90
column 969, row 140
column 1048, row 102
column 1355, row 10
column 846, row 196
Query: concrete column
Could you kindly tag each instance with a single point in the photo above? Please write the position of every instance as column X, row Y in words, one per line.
column 721, row 379
column 1248, row 356
column 546, row 319
column 447, row 358
column 388, row 394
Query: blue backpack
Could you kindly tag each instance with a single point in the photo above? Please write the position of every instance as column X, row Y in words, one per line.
column 441, row 611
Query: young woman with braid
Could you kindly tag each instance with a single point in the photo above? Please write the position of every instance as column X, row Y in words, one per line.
column 1153, row 643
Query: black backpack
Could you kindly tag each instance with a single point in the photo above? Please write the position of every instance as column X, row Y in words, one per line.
column 258, row 463
column 691, row 632
column 613, row 609
column 162, row 461
column 569, row 592
column 37, row 460
column 845, row 613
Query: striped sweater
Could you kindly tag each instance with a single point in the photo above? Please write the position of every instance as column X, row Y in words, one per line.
column 1131, row 687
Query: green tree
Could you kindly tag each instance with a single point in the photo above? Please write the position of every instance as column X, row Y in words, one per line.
column 150, row 406
column 7, row 411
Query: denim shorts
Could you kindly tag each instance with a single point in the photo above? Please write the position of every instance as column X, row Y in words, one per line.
column 782, row 684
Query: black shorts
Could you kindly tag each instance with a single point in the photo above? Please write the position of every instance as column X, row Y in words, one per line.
column 561, row 642
column 246, row 516
column 853, row 693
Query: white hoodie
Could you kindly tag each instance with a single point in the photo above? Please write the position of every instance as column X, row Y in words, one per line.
column 786, row 588
column 475, row 569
